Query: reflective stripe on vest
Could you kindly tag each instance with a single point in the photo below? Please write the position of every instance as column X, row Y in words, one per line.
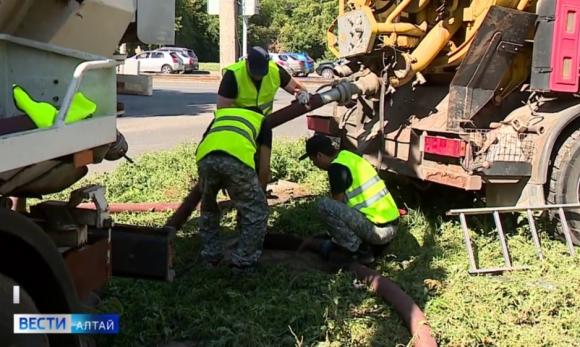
column 242, row 120
column 368, row 192
column 233, row 131
column 248, row 95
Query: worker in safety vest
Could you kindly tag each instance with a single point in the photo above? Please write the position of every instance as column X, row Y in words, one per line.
column 254, row 82
column 226, row 159
column 362, row 213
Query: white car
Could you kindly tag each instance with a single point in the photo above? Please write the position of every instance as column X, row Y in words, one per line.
column 187, row 55
column 156, row 61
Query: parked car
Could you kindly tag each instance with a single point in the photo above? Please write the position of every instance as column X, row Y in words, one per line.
column 187, row 55
column 326, row 69
column 155, row 61
column 308, row 62
column 292, row 65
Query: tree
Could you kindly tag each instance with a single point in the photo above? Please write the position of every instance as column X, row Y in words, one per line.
column 196, row 29
column 294, row 25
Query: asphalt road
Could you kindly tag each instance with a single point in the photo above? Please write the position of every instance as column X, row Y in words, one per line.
column 180, row 111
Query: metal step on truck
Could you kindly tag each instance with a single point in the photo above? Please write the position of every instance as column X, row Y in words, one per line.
column 56, row 54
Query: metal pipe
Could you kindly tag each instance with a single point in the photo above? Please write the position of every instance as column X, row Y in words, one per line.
column 136, row 207
column 435, row 40
column 522, row 5
column 400, row 28
column 470, row 255
column 474, row 211
column 504, row 246
column 389, row 26
column 534, row 232
column 397, row 11
column 566, row 231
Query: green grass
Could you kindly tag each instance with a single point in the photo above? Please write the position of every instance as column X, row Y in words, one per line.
column 279, row 307
column 209, row 66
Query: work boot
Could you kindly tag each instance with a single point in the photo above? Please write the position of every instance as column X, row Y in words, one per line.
column 364, row 255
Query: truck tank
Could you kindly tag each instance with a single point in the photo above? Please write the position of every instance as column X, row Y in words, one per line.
column 54, row 49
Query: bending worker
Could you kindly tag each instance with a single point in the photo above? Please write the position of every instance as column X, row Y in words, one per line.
column 253, row 82
column 226, row 160
column 362, row 213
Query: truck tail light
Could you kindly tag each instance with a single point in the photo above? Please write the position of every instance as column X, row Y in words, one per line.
column 444, row 146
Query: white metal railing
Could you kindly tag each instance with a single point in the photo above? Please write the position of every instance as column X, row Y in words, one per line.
column 75, row 84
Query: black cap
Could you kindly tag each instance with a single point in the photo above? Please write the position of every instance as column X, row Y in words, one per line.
column 318, row 144
column 258, row 60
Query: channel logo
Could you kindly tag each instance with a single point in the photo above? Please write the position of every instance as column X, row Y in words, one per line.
column 66, row 323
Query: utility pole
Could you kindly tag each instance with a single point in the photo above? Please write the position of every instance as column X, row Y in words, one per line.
column 246, row 19
column 228, row 12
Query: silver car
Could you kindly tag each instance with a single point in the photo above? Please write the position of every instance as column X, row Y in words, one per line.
column 187, row 55
column 156, row 61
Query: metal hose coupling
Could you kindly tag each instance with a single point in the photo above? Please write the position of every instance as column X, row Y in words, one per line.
column 343, row 92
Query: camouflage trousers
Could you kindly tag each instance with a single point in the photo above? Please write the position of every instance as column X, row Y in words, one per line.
column 218, row 171
column 349, row 228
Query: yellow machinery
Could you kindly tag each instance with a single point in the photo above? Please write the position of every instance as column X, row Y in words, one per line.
column 431, row 35
column 480, row 95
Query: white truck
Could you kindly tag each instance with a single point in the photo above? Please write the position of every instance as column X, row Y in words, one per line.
column 56, row 253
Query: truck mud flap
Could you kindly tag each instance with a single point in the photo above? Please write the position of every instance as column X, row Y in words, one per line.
column 502, row 36
column 141, row 252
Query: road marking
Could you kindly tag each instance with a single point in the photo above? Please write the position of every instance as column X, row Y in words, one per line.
column 16, row 295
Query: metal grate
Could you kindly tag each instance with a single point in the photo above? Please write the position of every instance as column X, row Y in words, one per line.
column 494, row 145
column 511, row 147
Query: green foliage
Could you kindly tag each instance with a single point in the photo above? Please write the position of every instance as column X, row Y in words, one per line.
column 294, row 25
column 196, row 29
column 280, row 307
column 167, row 176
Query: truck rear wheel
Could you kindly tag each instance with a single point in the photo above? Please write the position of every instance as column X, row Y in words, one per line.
column 8, row 309
column 565, row 181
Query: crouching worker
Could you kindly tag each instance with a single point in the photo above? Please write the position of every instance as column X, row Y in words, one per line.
column 226, row 160
column 362, row 215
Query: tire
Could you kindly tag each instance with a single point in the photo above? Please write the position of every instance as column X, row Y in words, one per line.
column 7, row 309
column 565, row 181
column 166, row 69
column 327, row 73
column 306, row 74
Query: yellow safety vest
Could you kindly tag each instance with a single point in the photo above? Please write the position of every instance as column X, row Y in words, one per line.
column 248, row 94
column 234, row 131
column 368, row 192
column 44, row 114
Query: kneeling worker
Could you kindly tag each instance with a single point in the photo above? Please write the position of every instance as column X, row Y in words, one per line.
column 362, row 212
column 226, row 160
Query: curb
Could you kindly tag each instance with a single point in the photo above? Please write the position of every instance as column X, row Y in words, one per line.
column 216, row 78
